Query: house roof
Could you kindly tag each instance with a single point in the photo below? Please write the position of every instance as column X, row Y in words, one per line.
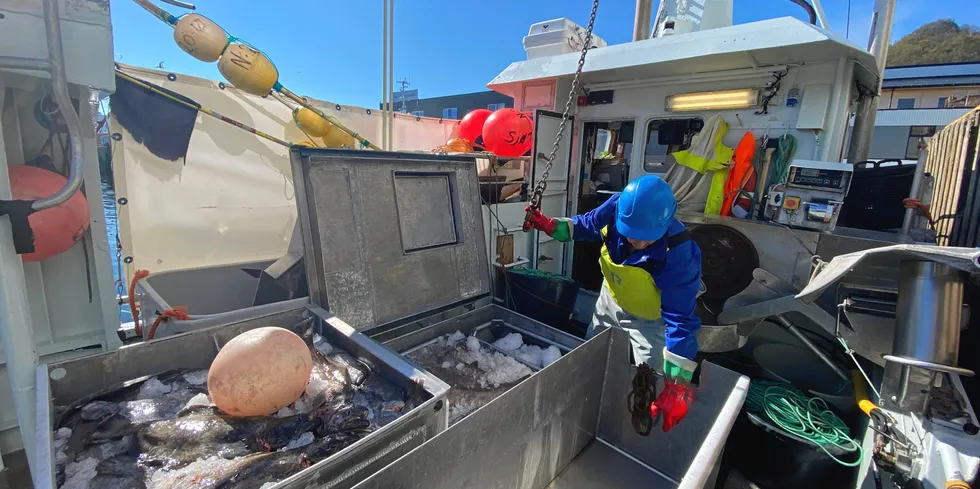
column 945, row 75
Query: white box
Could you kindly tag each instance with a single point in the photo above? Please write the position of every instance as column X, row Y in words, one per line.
column 555, row 37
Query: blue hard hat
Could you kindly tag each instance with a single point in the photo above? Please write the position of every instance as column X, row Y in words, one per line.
column 645, row 209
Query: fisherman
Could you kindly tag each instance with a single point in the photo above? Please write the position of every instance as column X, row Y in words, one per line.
column 652, row 279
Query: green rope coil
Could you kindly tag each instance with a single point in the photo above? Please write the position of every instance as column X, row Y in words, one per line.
column 781, row 159
column 534, row 272
column 806, row 417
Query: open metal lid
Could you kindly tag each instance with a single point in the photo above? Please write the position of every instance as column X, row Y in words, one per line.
column 389, row 235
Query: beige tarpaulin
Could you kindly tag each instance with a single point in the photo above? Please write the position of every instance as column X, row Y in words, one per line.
column 231, row 200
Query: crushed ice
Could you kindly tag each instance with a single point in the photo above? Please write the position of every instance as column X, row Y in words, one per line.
column 200, row 399
column 196, row 377
column 455, row 338
column 321, row 345
column 532, row 355
column 153, row 388
column 299, row 442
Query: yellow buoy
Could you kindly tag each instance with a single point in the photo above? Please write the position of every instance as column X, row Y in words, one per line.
column 308, row 144
column 311, row 122
column 200, row 37
column 337, row 138
column 248, row 69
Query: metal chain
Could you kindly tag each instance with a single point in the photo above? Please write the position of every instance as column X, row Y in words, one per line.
column 542, row 185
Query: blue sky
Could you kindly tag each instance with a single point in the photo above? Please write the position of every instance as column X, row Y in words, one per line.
column 332, row 50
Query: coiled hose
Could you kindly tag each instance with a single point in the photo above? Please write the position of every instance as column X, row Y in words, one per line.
column 805, row 417
column 781, row 159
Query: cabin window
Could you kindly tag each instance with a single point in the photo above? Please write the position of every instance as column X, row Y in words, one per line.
column 496, row 106
column 918, row 135
column 449, row 113
column 942, row 102
column 666, row 136
column 905, row 103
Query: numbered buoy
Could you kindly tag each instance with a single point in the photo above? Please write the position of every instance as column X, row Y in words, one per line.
column 200, row 37
column 248, row 69
column 337, row 138
column 310, row 122
column 459, row 145
column 56, row 229
column 508, row 132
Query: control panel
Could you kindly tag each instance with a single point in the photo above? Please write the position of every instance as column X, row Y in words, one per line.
column 812, row 195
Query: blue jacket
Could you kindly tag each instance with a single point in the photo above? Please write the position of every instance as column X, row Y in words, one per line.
column 677, row 272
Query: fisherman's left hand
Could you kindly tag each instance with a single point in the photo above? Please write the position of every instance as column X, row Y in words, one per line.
column 678, row 393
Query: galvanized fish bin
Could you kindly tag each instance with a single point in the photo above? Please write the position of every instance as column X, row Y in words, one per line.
column 567, row 427
column 64, row 383
column 397, row 243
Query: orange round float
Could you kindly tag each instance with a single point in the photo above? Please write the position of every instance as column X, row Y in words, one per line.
column 458, row 145
column 259, row 372
column 471, row 127
column 56, row 229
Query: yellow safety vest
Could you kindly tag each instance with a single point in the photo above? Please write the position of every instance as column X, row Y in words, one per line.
column 633, row 288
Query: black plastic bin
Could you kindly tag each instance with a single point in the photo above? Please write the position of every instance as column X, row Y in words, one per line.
column 546, row 297
column 874, row 201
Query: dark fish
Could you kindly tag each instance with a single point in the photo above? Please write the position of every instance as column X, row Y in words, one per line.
column 177, row 442
column 327, row 446
column 387, row 391
column 119, row 472
column 328, row 378
column 257, row 470
column 126, row 446
column 347, row 418
column 98, row 410
column 134, row 414
column 356, row 370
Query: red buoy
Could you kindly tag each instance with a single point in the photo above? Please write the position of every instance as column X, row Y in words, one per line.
column 471, row 127
column 508, row 132
column 56, row 229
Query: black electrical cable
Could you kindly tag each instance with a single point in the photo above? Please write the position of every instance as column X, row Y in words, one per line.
column 809, row 10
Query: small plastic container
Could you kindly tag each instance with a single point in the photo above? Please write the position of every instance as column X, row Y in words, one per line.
column 555, row 37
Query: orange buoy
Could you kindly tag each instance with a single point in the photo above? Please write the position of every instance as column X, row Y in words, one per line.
column 259, row 372
column 248, row 69
column 200, row 37
column 56, row 229
column 459, row 145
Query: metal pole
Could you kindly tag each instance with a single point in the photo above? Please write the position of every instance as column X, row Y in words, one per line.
column 782, row 321
column 821, row 15
column 864, row 118
column 59, row 82
column 641, row 20
column 391, row 75
column 384, row 80
column 916, row 191
column 16, row 331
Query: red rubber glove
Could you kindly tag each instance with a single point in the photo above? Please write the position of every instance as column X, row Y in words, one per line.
column 672, row 402
column 541, row 222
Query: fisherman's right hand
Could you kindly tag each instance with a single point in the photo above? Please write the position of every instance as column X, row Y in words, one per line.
column 560, row 229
